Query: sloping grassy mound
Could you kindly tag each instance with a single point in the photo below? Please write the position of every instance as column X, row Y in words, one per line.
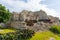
column 45, row 36
column 4, row 31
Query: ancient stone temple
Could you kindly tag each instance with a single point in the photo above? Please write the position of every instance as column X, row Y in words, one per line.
column 38, row 20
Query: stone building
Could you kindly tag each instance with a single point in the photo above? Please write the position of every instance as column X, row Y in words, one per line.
column 38, row 20
column 15, row 16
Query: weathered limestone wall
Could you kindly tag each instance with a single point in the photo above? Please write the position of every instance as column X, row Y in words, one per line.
column 18, row 25
column 27, row 19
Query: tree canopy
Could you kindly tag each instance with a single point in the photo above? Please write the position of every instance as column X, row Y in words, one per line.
column 4, row 14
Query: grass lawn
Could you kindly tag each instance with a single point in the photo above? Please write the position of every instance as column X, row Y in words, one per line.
column 4, row 31
column 47, row 35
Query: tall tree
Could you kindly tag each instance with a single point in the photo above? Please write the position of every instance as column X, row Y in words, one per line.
column 4, row 14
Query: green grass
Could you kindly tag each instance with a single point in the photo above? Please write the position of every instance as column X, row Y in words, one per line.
column 45, row 36
column 4, row 31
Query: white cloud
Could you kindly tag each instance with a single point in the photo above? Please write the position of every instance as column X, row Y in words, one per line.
column 31, row 5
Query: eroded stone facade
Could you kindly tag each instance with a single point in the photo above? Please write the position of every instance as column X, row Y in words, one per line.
column 32, row 20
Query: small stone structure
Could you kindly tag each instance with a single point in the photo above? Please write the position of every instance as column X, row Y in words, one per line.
column 2, row 25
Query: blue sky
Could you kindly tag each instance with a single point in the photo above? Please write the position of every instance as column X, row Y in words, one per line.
column 51, row 7
column 55, row 4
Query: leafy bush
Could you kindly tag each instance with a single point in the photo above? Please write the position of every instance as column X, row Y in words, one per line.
column 25, row 34
column 9, row 36
column 1, row 27
column 55, row 29
column 18, row 35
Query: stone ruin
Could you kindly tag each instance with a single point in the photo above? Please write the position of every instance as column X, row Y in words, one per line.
column 38, row 21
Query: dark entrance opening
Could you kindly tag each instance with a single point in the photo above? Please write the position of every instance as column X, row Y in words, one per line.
column 45, row 20
column 30, row 22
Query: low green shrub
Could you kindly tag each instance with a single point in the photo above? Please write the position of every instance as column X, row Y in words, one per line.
column 8, row 36
column 25, row 34
column 2, row 27
column 55, row 29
